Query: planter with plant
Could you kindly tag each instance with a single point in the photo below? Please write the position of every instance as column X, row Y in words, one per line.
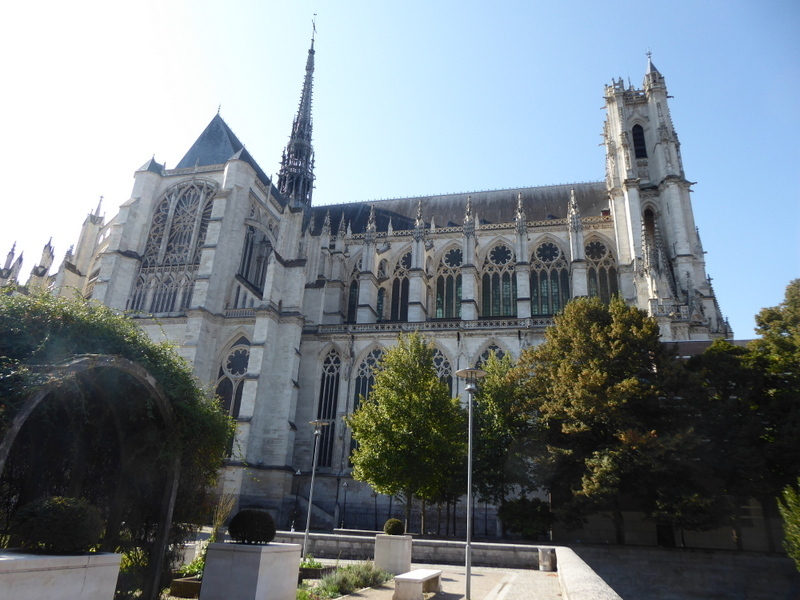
column 254, row 566
column 311, row 568
column 55, row 555
column 393, row 548
column 344, row 581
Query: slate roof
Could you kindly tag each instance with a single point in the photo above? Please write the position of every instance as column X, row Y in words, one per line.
column 496, row 206
column 216, row 146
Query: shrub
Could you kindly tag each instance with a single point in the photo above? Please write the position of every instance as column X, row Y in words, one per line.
column 252, row 526
column 309, row 562
column 58, row 525
column 789, row 506
column 394, row 527
column 351, row 578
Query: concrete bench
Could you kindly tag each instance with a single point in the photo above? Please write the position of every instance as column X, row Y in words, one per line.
column 411, row 585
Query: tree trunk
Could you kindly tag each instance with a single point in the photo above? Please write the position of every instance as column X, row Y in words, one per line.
column 409, row 498
column 619, row 524
column 422, row 519
column 736, row 524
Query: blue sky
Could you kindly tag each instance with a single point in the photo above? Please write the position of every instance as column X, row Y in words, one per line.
column 410, row 98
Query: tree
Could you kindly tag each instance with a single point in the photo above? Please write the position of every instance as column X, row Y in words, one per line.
column 611, row 406
column 789, row 507
column 502, row 437
column 410, row 431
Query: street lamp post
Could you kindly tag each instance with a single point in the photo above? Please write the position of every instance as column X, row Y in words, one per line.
column 296, row 492
column 471, row 375
column 318, row 425
column 344, row 510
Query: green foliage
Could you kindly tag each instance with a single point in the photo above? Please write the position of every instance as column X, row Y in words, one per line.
column 99, row 434
column 309, row 562
column 344, row 581
column 502, row 437
column 789, row 506
column 394, row 527
column 252, row 526
column 58, row 525
column 195, row 568
column 410, row 432
column 610, row 403
column 531, row 518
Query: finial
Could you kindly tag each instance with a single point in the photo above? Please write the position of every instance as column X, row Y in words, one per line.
column 219, row 108
column 648, row 54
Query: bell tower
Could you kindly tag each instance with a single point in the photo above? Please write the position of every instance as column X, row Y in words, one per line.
column 662, row 265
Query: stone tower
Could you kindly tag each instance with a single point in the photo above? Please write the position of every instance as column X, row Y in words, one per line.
column 661, row 263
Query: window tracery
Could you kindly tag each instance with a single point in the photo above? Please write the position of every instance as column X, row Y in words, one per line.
column 444, row 369
column 352, row 294
column 171, row 256
column 400, row 288
column 602, row 271
column 448, row 285
column 549, row 280
column 230, row 376
column 256, row 253
column 491, row 349
column 326, row 408
column 498, row 283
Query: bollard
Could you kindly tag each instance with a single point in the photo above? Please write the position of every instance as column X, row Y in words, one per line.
column 547, row 559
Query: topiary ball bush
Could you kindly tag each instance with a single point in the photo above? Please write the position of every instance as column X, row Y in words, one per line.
column 394, row 527
column 58, row 525
column 252, row 526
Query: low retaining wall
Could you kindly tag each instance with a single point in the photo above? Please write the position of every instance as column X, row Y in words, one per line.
column 578, row 581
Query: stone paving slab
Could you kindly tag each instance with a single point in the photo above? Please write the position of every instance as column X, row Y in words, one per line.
column 487, row 584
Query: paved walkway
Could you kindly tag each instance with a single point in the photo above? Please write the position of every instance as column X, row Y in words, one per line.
column 488, row 583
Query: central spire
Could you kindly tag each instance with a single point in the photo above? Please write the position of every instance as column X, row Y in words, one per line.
column 296, row 177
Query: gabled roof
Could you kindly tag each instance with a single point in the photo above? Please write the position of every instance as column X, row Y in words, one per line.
column 496, row 206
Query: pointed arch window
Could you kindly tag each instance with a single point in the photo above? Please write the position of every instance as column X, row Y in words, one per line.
column 364, row 381
column 499, row 283
column 230, row 376
column 256, row 252
column 171, row 255
column 549, row 280
column 492, row 349
column 639, row 145
column 443, row 368
column 602, row 271
column 448, row 285
column 400, row 288
column 352, row 294
column 326, row 407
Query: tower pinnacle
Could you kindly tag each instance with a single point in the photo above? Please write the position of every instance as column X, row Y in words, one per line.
column 296, row 177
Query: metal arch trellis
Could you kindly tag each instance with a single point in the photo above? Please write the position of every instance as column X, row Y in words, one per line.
column 71, row 369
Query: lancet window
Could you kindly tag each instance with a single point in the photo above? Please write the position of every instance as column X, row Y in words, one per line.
column 549, row 280
column 326, row 408
column 448, row 285
column 400, row 285
column 172, row 252
column 602, row 271
column 499, row 283
column 365, row 379
column 255, row 257
column 352, row 294
column 230, row 377
column 639, row 145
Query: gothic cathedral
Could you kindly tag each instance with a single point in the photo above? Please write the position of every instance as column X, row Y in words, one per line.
column 284, row 306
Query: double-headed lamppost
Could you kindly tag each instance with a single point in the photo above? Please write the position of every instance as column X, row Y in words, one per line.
column 471, row 375
column 318, row 425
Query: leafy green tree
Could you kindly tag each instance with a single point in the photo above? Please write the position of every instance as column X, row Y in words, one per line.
column 410, row 431
column 610, row 403
column 502, row 447
column 789, row 507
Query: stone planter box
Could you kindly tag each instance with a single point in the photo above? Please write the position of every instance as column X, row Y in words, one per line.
column 314, row 572
column 74, row 577
column 393, row 553
column 250, row 572
column 185, row 587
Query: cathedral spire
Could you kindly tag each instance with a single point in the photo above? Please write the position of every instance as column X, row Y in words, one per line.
column 296, row 177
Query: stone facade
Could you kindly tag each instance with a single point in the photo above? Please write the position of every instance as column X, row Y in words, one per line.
column 284, row 306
